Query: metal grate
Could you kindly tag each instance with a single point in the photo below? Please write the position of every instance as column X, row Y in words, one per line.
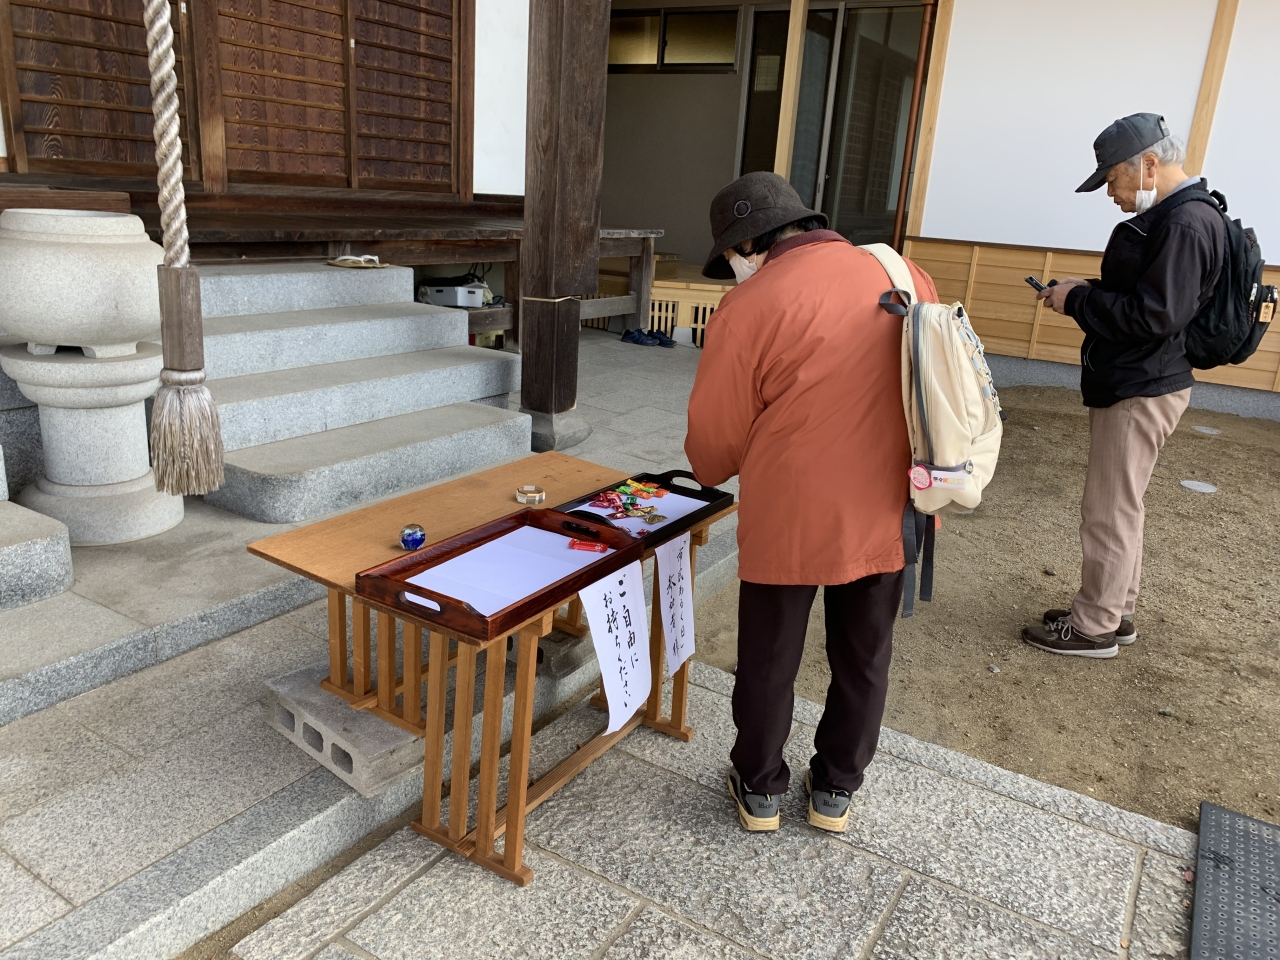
column 1237, row 913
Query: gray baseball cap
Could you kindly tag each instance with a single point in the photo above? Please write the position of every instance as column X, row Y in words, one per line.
column 1125, row 138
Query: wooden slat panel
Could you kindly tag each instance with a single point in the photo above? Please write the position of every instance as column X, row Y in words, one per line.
column 83, row 86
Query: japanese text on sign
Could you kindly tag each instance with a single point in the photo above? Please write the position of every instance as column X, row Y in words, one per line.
column 615, row 612
column 675, row 582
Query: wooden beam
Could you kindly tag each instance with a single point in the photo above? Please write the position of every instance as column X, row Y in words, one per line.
column 10, row 103
column 793, row 64
column 205, row 68
column 1035, row 323
column 352, row 98
column 640, row 282
column 1215, row 65
column 464, row 85
column 913, row 121
column 608, row 307
column 929, row 113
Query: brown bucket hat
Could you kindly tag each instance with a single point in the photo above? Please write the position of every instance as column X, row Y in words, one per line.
column 753, row 204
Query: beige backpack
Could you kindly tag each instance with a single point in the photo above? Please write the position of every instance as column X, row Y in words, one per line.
column 953, row 412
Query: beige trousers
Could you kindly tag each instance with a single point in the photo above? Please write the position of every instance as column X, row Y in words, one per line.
column 1124, row 442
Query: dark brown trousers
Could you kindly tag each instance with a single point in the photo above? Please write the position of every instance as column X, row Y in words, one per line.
column 771, row 628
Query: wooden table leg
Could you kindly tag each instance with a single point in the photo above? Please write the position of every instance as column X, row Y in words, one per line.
column 412, row 673
column 433, row 759
column 337, row 639
column 495, row 677
column 518, row 769
column 386, row 661
column 362, row 648
column 464, row 695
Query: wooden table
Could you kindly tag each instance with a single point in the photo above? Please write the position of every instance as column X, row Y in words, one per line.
column 333, row 551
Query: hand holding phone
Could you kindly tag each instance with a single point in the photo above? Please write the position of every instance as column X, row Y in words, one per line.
column 1040, row 287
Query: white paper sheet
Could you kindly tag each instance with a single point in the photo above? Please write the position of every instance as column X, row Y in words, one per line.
column 673, row 506
column 504, row 571
column 675, row 583
column 615, row 610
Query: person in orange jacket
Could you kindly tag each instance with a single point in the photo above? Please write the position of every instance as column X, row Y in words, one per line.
column 799, row 393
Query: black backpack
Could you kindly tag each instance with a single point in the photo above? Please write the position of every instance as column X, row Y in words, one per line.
column 1229, row 327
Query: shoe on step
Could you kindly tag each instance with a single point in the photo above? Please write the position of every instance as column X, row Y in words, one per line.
column 640, row 338
column 828, row 809
column 1126, row 633
column 1060, row 637
column 757, row 812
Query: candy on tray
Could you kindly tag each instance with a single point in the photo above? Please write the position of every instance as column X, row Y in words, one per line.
column 588, row 545
column 617, row 516
column 654, row 518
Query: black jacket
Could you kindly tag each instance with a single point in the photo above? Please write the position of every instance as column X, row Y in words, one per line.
column 1158, row 270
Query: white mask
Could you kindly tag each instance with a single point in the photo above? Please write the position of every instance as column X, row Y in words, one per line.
column 742, row 267
column 1143, row 200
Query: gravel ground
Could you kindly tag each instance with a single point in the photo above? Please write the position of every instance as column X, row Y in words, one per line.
column 1189, row 712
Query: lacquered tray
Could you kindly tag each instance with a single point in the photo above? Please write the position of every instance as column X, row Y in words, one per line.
column 712, row 499
column 388, row 584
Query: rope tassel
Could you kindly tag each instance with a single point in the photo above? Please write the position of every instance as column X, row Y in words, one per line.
column 186, row 435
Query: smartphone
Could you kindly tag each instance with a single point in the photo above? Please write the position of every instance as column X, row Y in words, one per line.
column 1035, row 283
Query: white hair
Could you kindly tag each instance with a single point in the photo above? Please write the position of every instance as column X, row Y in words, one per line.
column 1171, row 152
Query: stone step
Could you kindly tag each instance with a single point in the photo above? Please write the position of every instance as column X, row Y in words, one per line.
column 304, row 477
column 235, row 289
column 35, row 555
column 237, row 346
column 266, row 407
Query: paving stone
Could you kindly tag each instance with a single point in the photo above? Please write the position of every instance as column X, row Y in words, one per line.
column 1038, row 864
column 35, row 635
column 35, row 553
column 1162, row 914
column 339, row 901
column 679, row 844
column 200, row 687
column 705, row 758
column 44, row 754
column 26, row 904
column 931, row 922
column 89, row 839
column 336, row 951
column 656, row 936
column 458, row 909
column 704, row 675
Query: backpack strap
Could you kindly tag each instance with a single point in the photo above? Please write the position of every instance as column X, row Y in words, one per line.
column 899, row 275
column 917, row 550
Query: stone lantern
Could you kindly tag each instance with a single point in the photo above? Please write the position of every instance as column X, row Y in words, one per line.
column 80, row 287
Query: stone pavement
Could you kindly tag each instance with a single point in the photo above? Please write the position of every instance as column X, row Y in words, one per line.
column 641, row 856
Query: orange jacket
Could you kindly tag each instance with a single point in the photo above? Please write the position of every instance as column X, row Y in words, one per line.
column 799, row 392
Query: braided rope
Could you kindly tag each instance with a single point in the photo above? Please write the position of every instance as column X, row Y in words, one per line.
column 164, row 104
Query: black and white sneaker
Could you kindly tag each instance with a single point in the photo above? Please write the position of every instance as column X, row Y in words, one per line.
column 1126, row 633
column 1059, row 636
column 757, row 812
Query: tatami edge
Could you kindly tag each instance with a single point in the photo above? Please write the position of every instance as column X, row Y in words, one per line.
column 1122, row 824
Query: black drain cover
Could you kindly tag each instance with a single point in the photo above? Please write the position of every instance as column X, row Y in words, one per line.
column 1237, row 915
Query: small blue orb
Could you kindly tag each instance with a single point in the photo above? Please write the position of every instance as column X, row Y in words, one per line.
column 412, row 537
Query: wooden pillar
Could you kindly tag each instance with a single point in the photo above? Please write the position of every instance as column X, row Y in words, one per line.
column 929, row 113
column 913, row 120
column 564, row 162
column 1215, row 65
column 205, row 68
column 640, row 283
column 10, row 102
column 792, row 66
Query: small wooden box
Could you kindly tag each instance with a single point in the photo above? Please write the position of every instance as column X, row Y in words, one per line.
column 387, row 584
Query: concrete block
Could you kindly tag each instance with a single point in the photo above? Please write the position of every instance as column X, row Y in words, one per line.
column 933, row 921
column 28, row 903
column 255, row 343
column 35, row 556
column 1162, row 913
column 680, row 845
column 237, row 289
column 266, row 407
column 456, row 910
column 304, row 477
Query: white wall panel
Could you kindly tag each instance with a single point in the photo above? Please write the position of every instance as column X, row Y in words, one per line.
column 1027, row 87
column 1244, row 143
column 502, row 69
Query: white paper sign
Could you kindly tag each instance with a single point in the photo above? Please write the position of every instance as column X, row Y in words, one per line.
column 675, row 583
column 615, row 611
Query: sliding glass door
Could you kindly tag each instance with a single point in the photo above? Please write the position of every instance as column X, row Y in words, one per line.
column 856, row 89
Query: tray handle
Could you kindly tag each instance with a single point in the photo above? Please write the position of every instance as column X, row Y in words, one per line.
column 443, row 603
column 670, row 475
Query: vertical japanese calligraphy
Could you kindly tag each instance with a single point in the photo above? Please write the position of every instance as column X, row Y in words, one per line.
column 675, row 590
column 616, row 613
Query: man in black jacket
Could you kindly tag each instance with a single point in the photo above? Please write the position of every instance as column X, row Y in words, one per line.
column 1159, row 269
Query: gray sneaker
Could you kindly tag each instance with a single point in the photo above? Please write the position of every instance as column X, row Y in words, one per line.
column 756, row 811
column 828, row 809
column 1126, row 633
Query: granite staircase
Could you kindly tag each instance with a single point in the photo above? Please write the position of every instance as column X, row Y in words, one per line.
column 334, row 387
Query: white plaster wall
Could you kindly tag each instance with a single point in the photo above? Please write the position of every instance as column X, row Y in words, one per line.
column 1245, row 140
column 1028, row 86
column 502, row 68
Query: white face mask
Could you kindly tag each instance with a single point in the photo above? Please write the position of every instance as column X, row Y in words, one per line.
column 742, row 267
column 1143, row 200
